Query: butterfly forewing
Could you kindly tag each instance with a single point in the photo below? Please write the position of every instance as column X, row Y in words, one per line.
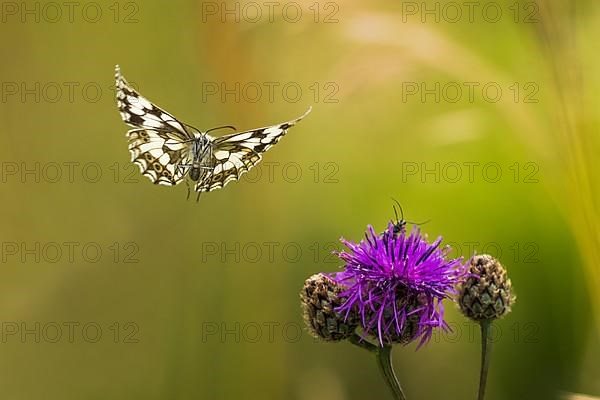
column 235, row 154
column 137, row 111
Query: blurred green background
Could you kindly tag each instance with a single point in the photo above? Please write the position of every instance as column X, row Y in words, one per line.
column 201, row 300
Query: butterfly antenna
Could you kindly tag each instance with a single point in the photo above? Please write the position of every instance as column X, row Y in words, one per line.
column 221, row 127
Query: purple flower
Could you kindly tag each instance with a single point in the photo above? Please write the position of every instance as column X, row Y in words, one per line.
column 396, row 282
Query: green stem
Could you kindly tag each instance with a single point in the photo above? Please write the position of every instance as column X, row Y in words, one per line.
column 486, row 349
column 384, row 360
column 362, row 343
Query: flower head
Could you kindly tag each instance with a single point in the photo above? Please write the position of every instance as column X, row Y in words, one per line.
column 396, row 282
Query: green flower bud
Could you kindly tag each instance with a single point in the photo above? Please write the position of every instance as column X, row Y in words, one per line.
column 486, row 294
column 320, row 298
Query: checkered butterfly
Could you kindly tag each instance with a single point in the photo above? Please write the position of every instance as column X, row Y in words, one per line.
column 169, row 151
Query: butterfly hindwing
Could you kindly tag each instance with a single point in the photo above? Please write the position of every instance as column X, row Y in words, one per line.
column 160, row 155
column 229, row 163
column 237, row 153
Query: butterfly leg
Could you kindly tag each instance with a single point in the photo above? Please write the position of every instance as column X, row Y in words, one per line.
column 181, row 170
column 204, row 179
column 182, row 167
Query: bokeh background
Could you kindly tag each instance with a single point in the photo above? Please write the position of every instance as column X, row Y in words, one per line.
column 200, row 301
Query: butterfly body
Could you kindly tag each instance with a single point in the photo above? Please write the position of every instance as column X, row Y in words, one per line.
column 201, row 156
column 168, row 151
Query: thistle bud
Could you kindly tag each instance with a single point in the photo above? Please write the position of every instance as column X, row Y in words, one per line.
column 486, row 294
column 320, row 298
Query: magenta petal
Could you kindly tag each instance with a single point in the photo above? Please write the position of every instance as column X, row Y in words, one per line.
column 387, row 272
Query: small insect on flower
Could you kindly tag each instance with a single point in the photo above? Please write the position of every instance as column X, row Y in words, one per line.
column 169, row 151
column 400, row 224
column 396, row 282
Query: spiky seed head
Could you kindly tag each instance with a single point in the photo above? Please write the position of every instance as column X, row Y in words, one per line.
column 320, row 296
column 487, row 292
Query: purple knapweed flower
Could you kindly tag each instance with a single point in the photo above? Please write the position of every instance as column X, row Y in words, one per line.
column 396, row 283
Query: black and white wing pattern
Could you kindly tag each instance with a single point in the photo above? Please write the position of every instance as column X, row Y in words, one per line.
column 169, row 151
column 159, row 144
column 235, row 154
column 138, row 112
column 160, row 155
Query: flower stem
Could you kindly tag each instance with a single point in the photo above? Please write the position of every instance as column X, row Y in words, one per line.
column 384, row 360
column 486, row 349
column 360, row 342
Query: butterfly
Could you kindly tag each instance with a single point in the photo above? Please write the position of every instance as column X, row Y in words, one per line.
column 169, row 151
